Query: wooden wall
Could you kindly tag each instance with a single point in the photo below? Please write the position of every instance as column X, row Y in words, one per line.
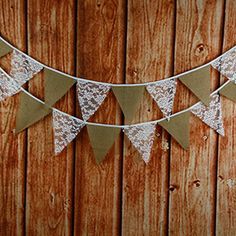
column 120, row 41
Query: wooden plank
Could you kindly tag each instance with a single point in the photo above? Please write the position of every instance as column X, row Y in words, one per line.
column 192, row 173
column 100, row 57
column 226, row 177
column 12, row 148
column 149, row 58
column 49, row 195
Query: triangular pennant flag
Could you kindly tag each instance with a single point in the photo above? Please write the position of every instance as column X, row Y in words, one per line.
column 56, row 86
column 65, row 129
column 229, row 91
column 129, row 98
column 199, row 83
column 23, row 68
column 142, row 136
column 163, row 92
column 211, row 115
column 4, row 48
column 8, row 87
column 101, row 139
column 178, row 128
column 91, row 96
column 226, row 64
column 29, row 112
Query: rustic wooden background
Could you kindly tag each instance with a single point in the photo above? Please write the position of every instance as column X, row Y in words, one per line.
column 121, row 41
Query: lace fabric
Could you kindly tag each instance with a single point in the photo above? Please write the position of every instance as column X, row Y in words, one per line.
column 8, row 87
column 23, row 68
column 91, row 96
column 226, row 65
column 142, row 138
column 211, row 115
column 65, row 129
column 163, row 92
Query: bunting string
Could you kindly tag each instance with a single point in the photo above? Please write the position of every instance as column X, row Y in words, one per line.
column 91, row 94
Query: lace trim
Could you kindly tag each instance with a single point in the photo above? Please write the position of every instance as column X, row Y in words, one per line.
column 23, row 68
column 211, row 115
column 90, row 97
column 142, row 138
column 163, row 92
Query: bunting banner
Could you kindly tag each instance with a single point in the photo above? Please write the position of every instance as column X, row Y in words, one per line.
column 129, row 99
column 199, row 83
column 211, row 115
column 23, row 68
column 163, row 92
column 65, row 128
column 8, row 87
column 102, row 138
column 91, row 95
column 142, row 137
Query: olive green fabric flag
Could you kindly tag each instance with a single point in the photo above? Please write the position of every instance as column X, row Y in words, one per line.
column 56, row 86
column 129, row 99
column 178, row 128
column 229, row 91
column 29, row 112
column 4, row 48
column 199, row 83
column 101, row 139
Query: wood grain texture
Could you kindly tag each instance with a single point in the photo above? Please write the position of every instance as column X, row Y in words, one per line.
column 12, row 147
column 100, row 57
column 49, row 193
column 226, row 177
column 192, row 172
column 149, row 57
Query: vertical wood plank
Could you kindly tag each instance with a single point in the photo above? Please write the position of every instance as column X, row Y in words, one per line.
column 149, row 58
column 12, row 147
column 192, row 172
column 50, row 178
column 226, row 178
column 100, row 57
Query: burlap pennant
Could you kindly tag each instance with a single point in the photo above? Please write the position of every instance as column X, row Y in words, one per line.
column 56, row 86
column 65, row 128
column 101, row 139
column 4, row 48
column 178, row 128
column 29, row 112
column 129, row 99
column 142, row 136
column 199, row 83
column 229, row 91
column 211, row 115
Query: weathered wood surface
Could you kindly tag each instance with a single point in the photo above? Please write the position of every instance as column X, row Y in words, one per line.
column 12, row 147
column 192, row 172
column 145, row 187
column 100, row 56
column 49, row 190
column 178, row 192
column 226, row 176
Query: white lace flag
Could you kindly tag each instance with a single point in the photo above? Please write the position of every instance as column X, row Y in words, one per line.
column 65, row 129
column 163, row 92
column 91, row 96
column 23, row 68
column 211, row 115
column 142, row 137
column 8, row 87
column 226, row 65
